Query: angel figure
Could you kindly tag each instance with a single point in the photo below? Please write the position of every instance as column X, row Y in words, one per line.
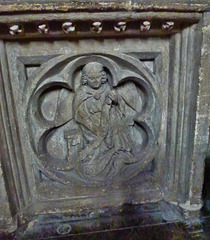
column 103, row 135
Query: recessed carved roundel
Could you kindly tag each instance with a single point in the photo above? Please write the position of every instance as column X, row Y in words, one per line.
column 94, row 118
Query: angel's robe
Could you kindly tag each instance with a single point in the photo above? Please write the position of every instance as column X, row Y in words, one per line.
column 105, row 134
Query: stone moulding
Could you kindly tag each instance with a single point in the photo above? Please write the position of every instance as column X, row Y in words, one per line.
column 53, row 25
column 153, row 53
column 109, row 5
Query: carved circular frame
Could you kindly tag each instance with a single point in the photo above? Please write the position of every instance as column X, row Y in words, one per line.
column 59, row 72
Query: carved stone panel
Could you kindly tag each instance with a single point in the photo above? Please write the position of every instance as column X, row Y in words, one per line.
column 93, row 118
column 90, row 123
column 100, row 110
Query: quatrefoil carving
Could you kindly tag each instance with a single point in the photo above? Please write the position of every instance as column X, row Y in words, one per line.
column 94, row 118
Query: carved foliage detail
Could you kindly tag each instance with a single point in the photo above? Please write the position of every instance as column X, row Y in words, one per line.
column 94, row 118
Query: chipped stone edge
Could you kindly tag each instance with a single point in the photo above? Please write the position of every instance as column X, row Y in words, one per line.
column 64, row 6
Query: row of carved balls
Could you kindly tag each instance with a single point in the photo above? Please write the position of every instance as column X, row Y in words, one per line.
column 96, row 27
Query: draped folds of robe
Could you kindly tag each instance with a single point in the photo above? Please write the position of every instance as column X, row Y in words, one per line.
column 106, row 142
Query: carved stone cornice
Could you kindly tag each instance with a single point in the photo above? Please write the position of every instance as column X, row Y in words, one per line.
column 84, row 24
column 109, row 5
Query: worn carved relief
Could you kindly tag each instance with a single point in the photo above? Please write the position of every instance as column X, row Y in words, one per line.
column 94, row 118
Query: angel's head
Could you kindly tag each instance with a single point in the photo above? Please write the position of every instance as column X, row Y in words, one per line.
column 93, row 75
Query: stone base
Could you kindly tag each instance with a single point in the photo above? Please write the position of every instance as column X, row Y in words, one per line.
column 128, row 222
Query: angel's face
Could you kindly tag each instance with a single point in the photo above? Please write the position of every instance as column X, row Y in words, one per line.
column 94, row 76
column 94, row 79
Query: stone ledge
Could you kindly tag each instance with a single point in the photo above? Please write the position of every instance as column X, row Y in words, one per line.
column 77, row 5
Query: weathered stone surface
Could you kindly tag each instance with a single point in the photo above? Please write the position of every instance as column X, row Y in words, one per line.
column 5, row 216
column 100, row 110
column 205, row 59
column 98, row 5
column 107, row 119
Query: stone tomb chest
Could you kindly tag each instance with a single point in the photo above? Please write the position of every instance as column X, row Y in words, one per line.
column 100, row 110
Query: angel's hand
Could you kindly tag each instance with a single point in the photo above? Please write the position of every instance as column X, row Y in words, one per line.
column 73, row 138
column 76, row 140
column 113, row 96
